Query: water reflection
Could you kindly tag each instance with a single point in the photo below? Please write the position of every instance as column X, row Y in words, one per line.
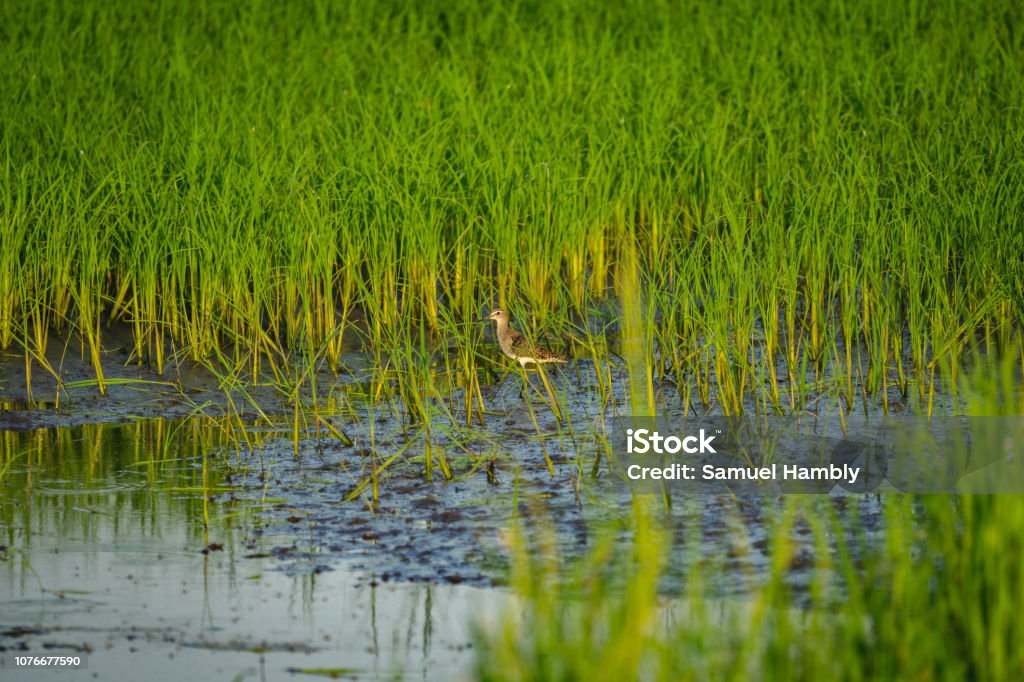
column 113, row 548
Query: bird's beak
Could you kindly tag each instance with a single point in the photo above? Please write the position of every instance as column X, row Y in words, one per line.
column 486, row 319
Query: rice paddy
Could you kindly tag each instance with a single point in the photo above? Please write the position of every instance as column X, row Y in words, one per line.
column 731, row 208
column 837, row 187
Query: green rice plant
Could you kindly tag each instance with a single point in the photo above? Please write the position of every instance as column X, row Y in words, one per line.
column 843, row 182
column 637, row 333
column 936, row 601
column 579, row 628
column 936, row 598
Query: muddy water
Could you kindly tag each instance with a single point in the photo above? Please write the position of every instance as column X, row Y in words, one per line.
column 223, row 547
column 122, row 547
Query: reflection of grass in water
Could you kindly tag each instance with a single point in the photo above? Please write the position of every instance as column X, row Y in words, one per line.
column 141, row 463
column 938, row 598
column 802, row 189
column 5, row 463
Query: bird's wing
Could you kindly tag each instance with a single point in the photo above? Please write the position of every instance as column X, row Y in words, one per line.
column 517, row 341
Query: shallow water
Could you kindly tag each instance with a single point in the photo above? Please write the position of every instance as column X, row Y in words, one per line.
column 106, row 556
column 224, row 547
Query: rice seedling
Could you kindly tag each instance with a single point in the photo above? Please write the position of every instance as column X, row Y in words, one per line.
column 937, row 599
column 396, row 167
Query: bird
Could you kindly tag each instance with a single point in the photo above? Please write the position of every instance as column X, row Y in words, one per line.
column 516, row 346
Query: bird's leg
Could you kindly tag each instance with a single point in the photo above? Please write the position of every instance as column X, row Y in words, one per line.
column 555, row 409
column 552, row 403
column 526, row 381
column 501, row 382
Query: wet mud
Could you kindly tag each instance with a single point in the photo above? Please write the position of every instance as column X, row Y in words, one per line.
column 197, row 492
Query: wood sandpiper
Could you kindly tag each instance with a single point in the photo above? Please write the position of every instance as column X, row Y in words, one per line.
column 516, row 346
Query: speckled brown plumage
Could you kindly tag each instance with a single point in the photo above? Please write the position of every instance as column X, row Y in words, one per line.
column 517, row 346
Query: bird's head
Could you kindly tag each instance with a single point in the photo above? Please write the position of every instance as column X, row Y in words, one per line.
column 497, row 315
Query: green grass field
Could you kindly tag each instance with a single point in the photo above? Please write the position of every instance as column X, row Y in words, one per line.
column 760, row 201
column 835, row 184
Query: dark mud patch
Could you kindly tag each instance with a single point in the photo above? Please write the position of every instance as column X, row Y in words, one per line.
column 134, row 392
column 460, row 530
